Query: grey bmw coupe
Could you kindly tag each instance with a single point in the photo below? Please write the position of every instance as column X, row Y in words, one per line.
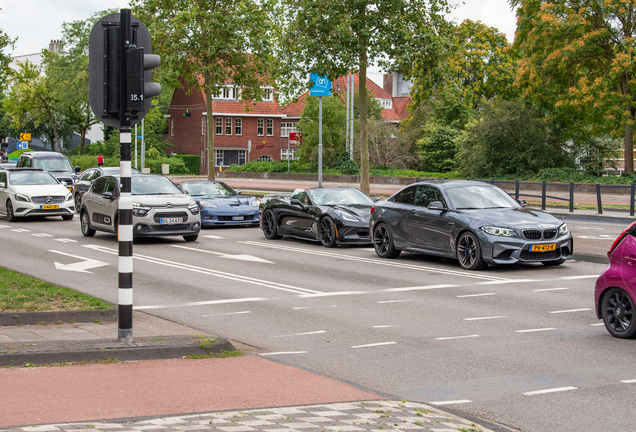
column 475, row 222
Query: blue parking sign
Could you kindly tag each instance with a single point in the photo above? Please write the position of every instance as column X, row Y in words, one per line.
column 22, row 145
column 322, row 86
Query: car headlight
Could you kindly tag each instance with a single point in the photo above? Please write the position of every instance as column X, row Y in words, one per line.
column 563, row 230
column 20, row 197
column 207, row 204
column 504, row 232
column 347, row 216
column 194, row 208
column 69, row 197
column 139, row 210
column 256, row 203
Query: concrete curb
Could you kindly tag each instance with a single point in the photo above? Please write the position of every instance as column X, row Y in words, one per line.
column 84, row 316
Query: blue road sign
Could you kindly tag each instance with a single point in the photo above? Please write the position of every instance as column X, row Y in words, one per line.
column 322, row 86
column 23, row 145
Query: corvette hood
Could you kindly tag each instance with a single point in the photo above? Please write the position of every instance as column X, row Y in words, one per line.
column 363, row 212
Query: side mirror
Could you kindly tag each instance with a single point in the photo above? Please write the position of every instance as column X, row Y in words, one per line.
column 522, row 202
column 108, row 195
column 376, row 199
column 436, row 205
column 297, row 202
column 78, row 169
column 238, row 192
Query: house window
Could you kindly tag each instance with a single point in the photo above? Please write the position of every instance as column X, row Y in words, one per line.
column 226, row 93
column 229, row 157
column 270, row 127
column 171, row 127
column 228, row 126
column 219, row 126
column 288, row 154
column 203, row 119
column 259, row 127
column 269, row 94
column 287, row 128
column 241, row 157
column 238, row 126
column 265, row 158
column 218, row 157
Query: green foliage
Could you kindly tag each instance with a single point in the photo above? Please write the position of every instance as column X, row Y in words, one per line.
column 567, row 175
column 5, row 58
column 597, row 154
column 177, row 165
column 90, row 161
column 192, row 162
column 346, row 165
column 269, row 167
column 438, row 149
column 333, row 128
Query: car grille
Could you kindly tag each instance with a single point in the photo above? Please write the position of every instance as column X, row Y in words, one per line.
column 165, row 215
column 538, row 234
column 171, row 227
column 67, row 180
column 229, row 218
column 540, row 256
column 42, row 200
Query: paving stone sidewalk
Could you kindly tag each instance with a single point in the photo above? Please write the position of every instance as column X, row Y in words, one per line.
column 371, row 416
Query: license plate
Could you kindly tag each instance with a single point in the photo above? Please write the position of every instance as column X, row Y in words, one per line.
column 70, row 189
column 171, row 220
column 49, row 207
column 238, row 217
column 543, row 248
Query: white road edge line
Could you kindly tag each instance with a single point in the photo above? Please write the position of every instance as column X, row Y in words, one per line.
column 457, row 337
column 373, row 345
column 302, row 334
column 282, row 353
column 476, row 295
column 535, row 330
column 484, row 318
column 452, row 402
column 552, row 390
column 571, row 310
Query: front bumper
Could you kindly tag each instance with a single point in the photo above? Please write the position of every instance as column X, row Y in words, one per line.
column 503, row 250
column 29, row 209
column 229, row 218
column 354, row 233
column 150, row 225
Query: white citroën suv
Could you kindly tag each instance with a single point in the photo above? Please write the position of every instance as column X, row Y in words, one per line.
column 159, row 208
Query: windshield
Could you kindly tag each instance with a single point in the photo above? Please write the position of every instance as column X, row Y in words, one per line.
column 153, row 185
column 347, row 196
column 24, row 178
column 479, row 197
column 54, row 164
column 207, row 188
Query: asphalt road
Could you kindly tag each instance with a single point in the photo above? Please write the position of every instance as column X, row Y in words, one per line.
column 518, row 345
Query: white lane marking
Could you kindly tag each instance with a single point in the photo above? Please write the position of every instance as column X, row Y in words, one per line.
column 535, row 330
column 374, row 345
column 282, row 353
column 578, row 277
column 457, row 337
column 484, row 318
column 338, row 293
column 202, row 303
column 476, row 295
column 5, row 226
column 81, row 267
column 213, row 237
column 375, row 261
column 393, row 301
column 629, row 381
column 313, row 307
column 418, row 288
column 550, row 289
column 20, row 230
column 239, row 257
column 66, row 240
column 42, row 235
column 598, row 237
column 597, row 324
column 382, row 326
column 552, row 390
column 229, row 313
column 571, row 310
column 203, row 270
column 302, row 334
column 451, row 402
column 507, row 281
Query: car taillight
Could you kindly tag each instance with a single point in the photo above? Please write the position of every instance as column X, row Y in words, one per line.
column 372, row 209
column 619, row 239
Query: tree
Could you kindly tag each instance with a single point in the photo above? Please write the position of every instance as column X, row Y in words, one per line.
column 479, row 61
column 387, row 146
column 577, row 61
column 5, row 59
column 331, row 37
column 211, row 43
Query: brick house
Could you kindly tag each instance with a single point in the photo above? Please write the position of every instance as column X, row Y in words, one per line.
column 259, row 133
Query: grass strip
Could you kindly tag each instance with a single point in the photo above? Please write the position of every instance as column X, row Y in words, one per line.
column 22, row 293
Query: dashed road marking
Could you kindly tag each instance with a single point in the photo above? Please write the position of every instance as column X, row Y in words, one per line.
column 571, row 310
column 631, row 381
column 484, row 318
column 374, row 344
column 476, row 295
column 229, row 313
column 302, row 334
column 552, row 390
column 418, row 288
column 382, row 326
column 213, row 237
column 66, row 240
column 457, row 337
column 451, row 402
column 202, row 303
column 282, row 353
column 578, row 277
column 535, row 330
column 550, row 289
column 42, row 235
column 393, row 301
column 313, row 307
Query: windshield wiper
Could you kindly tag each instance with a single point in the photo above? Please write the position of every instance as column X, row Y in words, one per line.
column 495, row 207
column 469, row 208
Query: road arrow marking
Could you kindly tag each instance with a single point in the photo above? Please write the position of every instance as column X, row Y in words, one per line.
column 241, row 257
column 81, row 267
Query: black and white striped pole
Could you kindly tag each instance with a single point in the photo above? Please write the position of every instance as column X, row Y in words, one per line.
column 120, row 92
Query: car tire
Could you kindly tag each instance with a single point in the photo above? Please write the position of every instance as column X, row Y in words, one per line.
column 327, row 233
column 617, row 310
column 68, row 217
column 10, row 215
column 85, row 224
column 469, row 252
column 78, row 203
column 191, row 238
column 553, row 263
column 383, row 242
column 269, row 225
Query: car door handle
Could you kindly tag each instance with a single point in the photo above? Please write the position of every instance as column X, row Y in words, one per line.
column 631, row 260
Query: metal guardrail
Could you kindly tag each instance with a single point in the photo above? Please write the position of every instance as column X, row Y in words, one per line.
column 570, row 200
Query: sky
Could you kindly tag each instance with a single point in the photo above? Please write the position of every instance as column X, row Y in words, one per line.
column 37, row 22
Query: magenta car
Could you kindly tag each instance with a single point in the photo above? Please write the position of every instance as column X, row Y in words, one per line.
column 616, row 287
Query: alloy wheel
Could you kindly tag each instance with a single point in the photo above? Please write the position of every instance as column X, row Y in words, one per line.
column 619, row 312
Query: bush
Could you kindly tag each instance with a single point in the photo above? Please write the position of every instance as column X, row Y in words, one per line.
column 192, row 162
column 346, row 165
column 177, row 165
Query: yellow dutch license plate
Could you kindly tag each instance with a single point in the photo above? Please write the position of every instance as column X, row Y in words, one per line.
column 70, row 189
column 49, row 207
column 543, row 248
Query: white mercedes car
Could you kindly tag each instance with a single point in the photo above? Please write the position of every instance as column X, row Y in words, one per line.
column 33, row 192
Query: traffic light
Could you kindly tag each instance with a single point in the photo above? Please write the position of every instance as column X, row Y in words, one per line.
column 120, row 68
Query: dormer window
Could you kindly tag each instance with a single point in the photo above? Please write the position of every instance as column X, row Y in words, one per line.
column 386, row 103
column 269, row 94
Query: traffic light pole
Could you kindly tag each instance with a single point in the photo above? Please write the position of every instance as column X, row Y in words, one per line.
column 125, row 229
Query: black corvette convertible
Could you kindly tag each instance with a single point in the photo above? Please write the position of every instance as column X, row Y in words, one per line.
column 328, row 215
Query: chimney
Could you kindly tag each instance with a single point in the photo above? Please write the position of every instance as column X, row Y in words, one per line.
column 387, row 80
